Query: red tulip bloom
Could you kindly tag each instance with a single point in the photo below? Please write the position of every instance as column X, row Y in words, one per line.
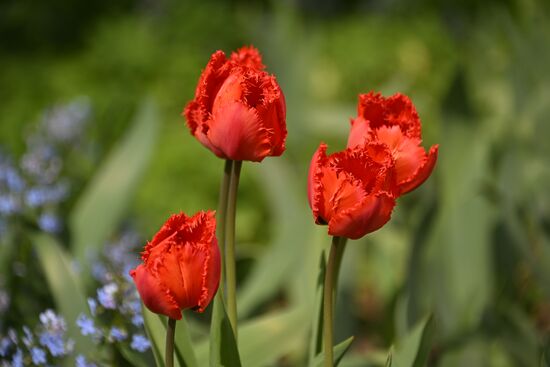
column 352, row 191
column 239, row 109
column 394, row 122
column 181, row 266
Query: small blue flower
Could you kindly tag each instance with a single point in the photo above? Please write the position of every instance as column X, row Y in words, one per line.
column 52, row 322
column 81, row 362
column 92, row 304
column 117, row 334
column 5, row 344
column 9, row 205
column 17, row 360
column 106, row 296
column 137, row 320
column 49, row 223
column 54, row 343
column 13, row 180
column 28, row 338
column 140, row 343
column 86, row 325
column 38, row 355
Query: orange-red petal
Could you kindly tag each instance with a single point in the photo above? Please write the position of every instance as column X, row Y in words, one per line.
column 423, row 172
column 154, row 295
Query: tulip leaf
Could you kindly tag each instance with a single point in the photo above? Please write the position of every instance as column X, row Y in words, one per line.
column 185, row 353
column 339, row 351
column 316, row 342
column 223, row 348
column 266, row 338
column 413, row 350
column 64, row 284
column 274, row 267
column 156, row 331
column 135, row 358
column 104, row 201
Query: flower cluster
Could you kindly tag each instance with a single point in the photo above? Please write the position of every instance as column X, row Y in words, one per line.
column 354, row 191
column 34, row 187
column 45, row 343
column 115, row 309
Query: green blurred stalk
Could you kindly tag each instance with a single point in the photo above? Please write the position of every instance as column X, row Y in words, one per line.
column 221, row 218
column 230, row 265
column 170, row 333
column 331, row 280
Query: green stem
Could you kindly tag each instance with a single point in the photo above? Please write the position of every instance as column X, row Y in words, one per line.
column 338, row 261
column 230, row 265
column 221, row 217
column 331, row 278
column 170, row 332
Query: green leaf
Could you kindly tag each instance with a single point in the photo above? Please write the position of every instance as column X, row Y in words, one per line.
column 268, row 338
column 275, row 266
column 339, row 352
column 184, row 350
column 104, row 201
column 135, row 358
column 156, row 331
column 65, row 286
column 265, row 339
column 316, row 341
column 413, row 350
column 155, row 326
column 223, row 349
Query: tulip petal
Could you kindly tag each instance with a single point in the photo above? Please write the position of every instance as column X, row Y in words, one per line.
column 372, row 108
column 366, row 216
column 238, row 132
column 154, row 295
column 314, row 183
column 423, row 172
column 359, row 132
column 210, row 275
column 400, row 111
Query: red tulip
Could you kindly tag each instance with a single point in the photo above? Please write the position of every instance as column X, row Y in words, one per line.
column 394, row 122
column 181, row 266
column 239, row 110
column 352, row 191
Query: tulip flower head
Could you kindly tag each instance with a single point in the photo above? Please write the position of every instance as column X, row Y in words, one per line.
column 352, row 191
column 239, row 109
column 394, row 122
column 181, row 266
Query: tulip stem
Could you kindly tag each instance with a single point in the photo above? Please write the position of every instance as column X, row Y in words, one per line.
column 331, row 280
column 221, row 217
column 230, row 265
column 170, row 333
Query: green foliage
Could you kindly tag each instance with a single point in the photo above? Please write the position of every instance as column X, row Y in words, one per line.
column 102, row 206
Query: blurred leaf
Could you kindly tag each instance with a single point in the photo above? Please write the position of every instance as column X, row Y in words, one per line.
column 137, row 359
column 65, row 286
column 316, row 341
column 274, row 267
column 223, row 349
column 103, row 203
column 265, row 339
column 184, row 350
column 339, row 352
column 156, row 332
column 413, row 350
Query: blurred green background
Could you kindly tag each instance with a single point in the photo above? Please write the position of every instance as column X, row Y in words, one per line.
column 471, row 245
